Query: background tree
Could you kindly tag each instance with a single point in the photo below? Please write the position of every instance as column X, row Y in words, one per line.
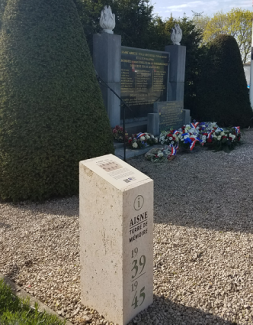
column 222, row 94
column 51, row 110
column 201, row 21
column 236, row 23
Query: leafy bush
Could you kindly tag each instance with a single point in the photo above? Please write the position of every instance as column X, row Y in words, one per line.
column 222, row 94
column 50, row 102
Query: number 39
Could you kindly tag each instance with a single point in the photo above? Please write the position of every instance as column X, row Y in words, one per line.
column 142, row 262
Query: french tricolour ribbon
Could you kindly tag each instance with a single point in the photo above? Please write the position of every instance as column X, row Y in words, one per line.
column 140, row 135
column 194, row 125
column 176, row 132
column 209, row 135
column 173, row 150
column 194, row 140
column 237, row 129
column 193, row 144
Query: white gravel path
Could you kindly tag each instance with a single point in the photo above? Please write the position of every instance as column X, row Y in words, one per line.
column 203, row 243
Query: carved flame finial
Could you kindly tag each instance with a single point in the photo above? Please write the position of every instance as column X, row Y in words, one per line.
column 107, row 20
column 176, row 35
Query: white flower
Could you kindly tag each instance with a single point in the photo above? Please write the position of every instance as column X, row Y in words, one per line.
column 170, row 138
column 219, row 137
column 142, row 138
column 222, row 133
column 156, row 140
column 160, row 154
column 172, row 142
column 135, row 145
column 147, row 137
column 151, row 135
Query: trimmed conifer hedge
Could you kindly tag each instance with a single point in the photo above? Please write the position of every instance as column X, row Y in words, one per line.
column 51, row 110
column 222, row 94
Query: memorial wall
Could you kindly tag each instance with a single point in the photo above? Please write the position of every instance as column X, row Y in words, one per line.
column 144, row 77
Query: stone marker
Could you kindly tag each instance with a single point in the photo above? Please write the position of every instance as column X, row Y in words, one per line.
column 171, row 114
column 116, row 238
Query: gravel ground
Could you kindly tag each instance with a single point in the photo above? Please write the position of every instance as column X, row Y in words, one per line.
column 203, row 240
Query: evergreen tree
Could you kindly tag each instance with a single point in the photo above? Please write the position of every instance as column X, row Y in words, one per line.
column 222, row 94
column 51, row 110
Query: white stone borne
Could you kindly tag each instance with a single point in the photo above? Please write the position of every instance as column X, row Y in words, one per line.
column 116, row 238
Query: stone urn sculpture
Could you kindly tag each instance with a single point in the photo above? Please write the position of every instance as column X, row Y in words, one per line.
column 107, row 20
column 176, row 35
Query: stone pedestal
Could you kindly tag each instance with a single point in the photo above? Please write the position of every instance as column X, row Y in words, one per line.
column 186, row 116
column 107, row 62
column 153, row 124
column 116, row 238
column 177, row 72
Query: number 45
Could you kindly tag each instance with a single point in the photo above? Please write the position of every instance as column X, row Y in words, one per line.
column 135, row 300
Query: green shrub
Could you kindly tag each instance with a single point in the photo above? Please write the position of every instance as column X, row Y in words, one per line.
column 222, row 94
column 51, row 110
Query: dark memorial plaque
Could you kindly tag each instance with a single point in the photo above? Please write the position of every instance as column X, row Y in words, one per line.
column 144, row 75
column 170, row 115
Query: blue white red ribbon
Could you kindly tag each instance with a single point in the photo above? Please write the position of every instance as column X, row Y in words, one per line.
column 194, row 125
column 237, row 129
column 139, row 135
column 173, row 150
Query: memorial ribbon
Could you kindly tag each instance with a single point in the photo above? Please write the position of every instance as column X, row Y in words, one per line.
column 237, row 129
column 194, row 125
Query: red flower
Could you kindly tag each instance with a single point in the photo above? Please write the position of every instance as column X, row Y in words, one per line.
column 117, row 127
column 224, row 137
column 209, row 140
column 130, row 141
column 205, row 133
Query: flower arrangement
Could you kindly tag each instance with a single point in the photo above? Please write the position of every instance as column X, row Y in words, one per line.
column 118, row 134
column 205, row 133
column 141, row 140
column 217, row 138
column 158, row 154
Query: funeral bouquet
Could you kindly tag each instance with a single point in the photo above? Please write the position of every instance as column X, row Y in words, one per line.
column 186, row 137
column 218, row 138
column 118, row 134
column 158, row 154
column 141, row 140
column 204, row 133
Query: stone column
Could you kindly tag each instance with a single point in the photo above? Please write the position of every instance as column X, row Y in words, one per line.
column 176, row 72
column 116, row 238
column 107, row 62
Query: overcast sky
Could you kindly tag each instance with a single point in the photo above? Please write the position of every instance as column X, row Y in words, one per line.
column 164, row 8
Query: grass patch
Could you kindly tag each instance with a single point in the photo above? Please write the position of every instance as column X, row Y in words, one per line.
column 16, row 311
